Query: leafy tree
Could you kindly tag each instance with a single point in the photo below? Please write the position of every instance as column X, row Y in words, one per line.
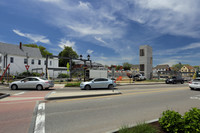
column 118, row 67
column 67, row 52
column 43, row 50
column 126, row 66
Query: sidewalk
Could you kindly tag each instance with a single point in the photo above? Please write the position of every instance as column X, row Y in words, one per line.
column 89, row 93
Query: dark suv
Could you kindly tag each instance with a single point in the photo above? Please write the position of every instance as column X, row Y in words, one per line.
column 174, row 80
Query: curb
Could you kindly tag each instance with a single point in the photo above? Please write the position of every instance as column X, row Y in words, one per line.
column 133, row 125
column 79, row 96
column 5, row 95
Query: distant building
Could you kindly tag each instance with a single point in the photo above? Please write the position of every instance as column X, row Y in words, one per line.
column 146, row 61
column 187, row 68
column 94, row 65
column 164, row 67
column 18, row 56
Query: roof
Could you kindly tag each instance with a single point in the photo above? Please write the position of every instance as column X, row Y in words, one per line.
column 15, row 50
column 165, row 66
column 189, row 67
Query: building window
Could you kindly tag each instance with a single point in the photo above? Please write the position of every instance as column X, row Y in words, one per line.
column 11, row 60
column 141, row 52
column 39, row 62
column 25, row 61
column 32, row 61
column 50, row 63
column 45, row 62
column 141, row 67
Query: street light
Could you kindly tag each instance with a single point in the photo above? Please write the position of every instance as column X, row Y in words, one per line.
column 81, row 57
column 88, row 57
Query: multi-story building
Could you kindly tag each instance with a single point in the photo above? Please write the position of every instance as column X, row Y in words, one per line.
column 19, row 56
column 146, row 61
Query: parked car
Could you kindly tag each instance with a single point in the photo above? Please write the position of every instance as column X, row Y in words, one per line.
column 98, row 83
column 32, row 82
column 194, row 84
column 138, row 77
column 174, row 80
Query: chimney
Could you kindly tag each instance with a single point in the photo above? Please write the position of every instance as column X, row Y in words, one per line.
column 20, row 45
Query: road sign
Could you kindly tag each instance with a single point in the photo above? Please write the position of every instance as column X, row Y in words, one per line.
column 68, row 66
column 27, row 67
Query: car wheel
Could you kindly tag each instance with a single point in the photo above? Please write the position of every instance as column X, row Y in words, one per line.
column 39, row 87
column 191, row 88
column 87, row 87
column 166, row 82
column 14, row 87
column 110, row 87
column 174, row 82
column 182, row 82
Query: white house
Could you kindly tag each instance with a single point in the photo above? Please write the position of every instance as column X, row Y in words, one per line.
column 19, row 56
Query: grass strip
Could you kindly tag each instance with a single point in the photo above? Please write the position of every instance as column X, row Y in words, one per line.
column 140, row 128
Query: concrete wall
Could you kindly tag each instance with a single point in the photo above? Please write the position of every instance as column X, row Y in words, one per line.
column 147, row 60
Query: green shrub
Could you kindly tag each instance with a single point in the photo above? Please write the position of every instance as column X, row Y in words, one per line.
column 140, row 128
column 192, row 121
column 171, row 122
column 63, row 75
column 27, row 73
column 72, row 84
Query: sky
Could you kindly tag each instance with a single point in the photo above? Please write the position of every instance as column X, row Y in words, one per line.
column 110, row 31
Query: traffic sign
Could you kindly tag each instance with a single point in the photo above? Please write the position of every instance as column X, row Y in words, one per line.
column 68, row 66
column 27, row 67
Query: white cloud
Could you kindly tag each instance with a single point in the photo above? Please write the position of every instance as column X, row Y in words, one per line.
column 176, row 50
column 173, row 17
column 84, row 5
column 65, row 42
column 33, row 37
column 100, row 39
column 89, row 51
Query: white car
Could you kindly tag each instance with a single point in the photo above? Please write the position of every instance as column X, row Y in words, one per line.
column 98, row 83
column 31, row 82
column 194, row 84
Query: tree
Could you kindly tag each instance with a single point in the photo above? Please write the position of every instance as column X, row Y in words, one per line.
column 118, row 67
column 67, row 52
column 43, row 50
column 126, row 66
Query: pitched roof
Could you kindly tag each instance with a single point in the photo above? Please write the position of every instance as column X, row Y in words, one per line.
column 165, row 66
column 189, row 67
column 15, row 50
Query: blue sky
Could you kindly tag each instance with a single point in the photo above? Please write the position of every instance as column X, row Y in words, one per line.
column 111, row 31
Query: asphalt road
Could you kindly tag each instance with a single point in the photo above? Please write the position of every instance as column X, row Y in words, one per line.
column 138, row 103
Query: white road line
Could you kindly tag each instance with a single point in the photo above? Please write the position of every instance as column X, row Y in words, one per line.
column 40, row 119
column 19, row 93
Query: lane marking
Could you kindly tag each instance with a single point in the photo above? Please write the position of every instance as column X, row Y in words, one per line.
column 19, row 93
column 40, row 119
column 196, row 97
column 153, row 89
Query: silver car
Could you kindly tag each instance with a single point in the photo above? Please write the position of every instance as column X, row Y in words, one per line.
column 194, row 84
column 98, row 83
column 31, row 82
